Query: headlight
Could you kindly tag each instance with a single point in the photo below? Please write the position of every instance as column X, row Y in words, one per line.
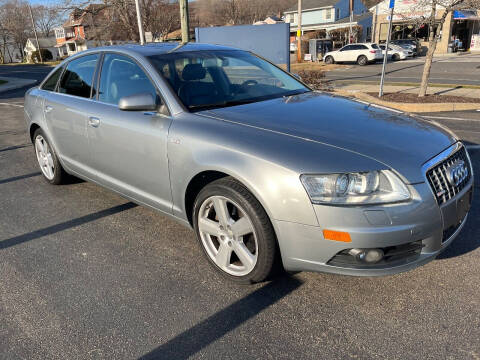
column 373, row 187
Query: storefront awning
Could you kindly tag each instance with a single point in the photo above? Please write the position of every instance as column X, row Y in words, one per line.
column 465, row 15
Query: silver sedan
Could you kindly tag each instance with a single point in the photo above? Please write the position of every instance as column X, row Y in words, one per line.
column 262, row 167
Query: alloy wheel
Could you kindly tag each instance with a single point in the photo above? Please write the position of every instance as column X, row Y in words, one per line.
column 227, row 235
column 44, row 157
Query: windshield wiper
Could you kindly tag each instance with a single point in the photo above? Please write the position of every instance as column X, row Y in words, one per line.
column 223, row 104
column 244, row 101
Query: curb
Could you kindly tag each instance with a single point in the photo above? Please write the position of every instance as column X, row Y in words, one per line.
column 411, row 107
column 15, row 83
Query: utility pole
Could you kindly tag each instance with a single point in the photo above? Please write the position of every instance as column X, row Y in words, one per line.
column 385, row 56
column 139, row 20
column 350, row 34
column 299, row 32
column 184, row 21
column 35, row 33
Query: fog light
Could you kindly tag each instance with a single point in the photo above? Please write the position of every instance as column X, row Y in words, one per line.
column 370, row 256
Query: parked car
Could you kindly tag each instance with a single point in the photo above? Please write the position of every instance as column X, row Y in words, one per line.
column 258, row 164
column 362, row 54
column 410, row 44
column 396, row 52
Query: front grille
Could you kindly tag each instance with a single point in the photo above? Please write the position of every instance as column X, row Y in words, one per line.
column 437, row 177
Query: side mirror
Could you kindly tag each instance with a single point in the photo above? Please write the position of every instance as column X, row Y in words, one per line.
column 138, row 102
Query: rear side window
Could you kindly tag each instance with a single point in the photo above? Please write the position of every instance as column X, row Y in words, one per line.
column 121, row 76
column 347, row 48
column 362, row 47
column 51, row 82
column 78, row 77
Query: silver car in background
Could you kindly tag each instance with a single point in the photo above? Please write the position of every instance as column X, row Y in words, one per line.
column 261, row 166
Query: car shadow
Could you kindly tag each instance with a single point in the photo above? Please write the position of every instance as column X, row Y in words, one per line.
column 21, row 177
column 16, row 240
column 192, row 340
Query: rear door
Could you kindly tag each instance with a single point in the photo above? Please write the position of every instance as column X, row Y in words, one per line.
column 129, row 148
column 65, row 112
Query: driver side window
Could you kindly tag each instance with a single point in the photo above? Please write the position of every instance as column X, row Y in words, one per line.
column 121, row 76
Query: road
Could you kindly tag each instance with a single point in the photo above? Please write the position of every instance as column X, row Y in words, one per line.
column 85, row 274
column 462, row 70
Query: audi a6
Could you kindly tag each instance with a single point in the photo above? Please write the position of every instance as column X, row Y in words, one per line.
column 262, row 167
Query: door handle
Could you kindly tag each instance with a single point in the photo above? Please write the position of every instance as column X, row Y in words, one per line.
column 48, row 108
column 93, row 121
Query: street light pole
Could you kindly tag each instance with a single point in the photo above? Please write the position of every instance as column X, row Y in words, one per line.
column 184, row 21
column 299, row 32
column 385, row 56
column 139, row 20
column 35, row 33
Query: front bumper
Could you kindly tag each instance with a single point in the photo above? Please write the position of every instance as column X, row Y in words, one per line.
column 420, row 220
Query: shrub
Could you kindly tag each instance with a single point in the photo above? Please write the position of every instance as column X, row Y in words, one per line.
column 46, row 55
column 315, row 79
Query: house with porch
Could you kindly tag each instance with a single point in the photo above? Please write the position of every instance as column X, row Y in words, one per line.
column 84, row 29
column 331, row 17
column 44, row 43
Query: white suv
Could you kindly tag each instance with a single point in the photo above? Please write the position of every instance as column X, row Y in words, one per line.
column 362, row 54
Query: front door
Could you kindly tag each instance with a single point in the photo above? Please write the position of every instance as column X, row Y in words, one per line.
column 129, row 148
column 65, row 113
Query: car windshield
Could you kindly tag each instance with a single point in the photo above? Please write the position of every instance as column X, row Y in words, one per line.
column 221, row 78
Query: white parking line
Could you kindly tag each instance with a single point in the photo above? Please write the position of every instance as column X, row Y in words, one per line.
column 449, row 118
column 11, row 104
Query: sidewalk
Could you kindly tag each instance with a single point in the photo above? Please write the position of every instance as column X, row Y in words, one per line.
column 15, row 83
column 453, row 91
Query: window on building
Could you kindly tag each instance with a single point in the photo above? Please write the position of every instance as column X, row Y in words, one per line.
column 338, row 14
column 328, row 14
column 60, row 33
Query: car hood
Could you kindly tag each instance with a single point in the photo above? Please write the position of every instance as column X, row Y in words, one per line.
column 398, row 141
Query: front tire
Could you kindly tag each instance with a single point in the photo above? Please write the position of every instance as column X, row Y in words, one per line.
column 48, row 162
column 362, row 60
column 234, row 231
column 396, row 57
column 329, row 60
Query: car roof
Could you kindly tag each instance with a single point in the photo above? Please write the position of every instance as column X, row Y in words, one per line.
column 163, row 48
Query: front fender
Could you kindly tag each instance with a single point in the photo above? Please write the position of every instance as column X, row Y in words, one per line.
column 192, row 149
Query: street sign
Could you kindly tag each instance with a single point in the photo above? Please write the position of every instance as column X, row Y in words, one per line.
column 392, row 4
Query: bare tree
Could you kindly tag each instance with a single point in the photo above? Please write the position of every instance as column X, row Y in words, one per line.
column 448, row 6
column 15, row 22
column 46, row 18
column 238, row 12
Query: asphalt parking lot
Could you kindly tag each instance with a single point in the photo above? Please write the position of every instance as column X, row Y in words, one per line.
column 87, row 275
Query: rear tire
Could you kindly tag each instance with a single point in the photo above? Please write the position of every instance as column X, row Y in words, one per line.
column 329, row 60
column 362, row 60
column 234, row 231
column 47, row 159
